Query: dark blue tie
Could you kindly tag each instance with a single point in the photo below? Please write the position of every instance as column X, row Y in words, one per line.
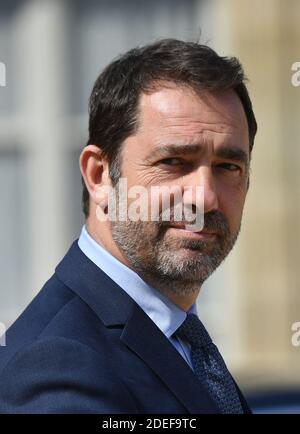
column 209, row 365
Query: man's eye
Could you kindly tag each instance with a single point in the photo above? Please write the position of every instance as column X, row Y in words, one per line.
column 172, row 161
column 230, row 167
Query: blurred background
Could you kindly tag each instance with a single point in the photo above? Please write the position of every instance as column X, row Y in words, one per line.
column 53, row 50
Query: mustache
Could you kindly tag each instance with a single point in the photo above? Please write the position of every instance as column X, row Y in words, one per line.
column 214, row 221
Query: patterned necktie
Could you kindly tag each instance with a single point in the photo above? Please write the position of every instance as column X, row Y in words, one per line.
column 209, row 366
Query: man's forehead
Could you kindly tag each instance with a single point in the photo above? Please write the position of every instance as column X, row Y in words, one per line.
column 182, row 104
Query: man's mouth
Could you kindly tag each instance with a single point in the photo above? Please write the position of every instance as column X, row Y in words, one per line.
column 203, row 234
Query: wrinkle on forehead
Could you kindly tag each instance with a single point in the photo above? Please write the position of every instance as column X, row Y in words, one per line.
column 181, row 107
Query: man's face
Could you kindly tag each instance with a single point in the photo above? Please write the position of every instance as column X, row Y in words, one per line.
column 212, row 133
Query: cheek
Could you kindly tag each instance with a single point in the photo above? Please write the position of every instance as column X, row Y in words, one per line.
column 231, row 204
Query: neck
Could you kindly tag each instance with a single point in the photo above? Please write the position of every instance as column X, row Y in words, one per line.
column 184, row 302
column 183, row 294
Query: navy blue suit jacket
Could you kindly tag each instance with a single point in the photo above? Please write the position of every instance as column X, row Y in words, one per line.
column 84, row 346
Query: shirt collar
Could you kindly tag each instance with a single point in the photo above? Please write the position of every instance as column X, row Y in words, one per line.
column 163, row 312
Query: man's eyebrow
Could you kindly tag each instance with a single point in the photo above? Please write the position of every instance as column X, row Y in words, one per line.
column 231, row 153
column 171, row 149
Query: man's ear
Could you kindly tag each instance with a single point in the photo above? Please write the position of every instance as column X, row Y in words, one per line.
column 95, row 172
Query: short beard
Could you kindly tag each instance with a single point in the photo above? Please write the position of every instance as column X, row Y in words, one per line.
column 179, row 264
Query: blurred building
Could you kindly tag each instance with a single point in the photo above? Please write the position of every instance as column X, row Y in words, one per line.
column 53, row 51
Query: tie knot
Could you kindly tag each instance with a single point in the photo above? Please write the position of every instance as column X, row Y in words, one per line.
column 193, row 331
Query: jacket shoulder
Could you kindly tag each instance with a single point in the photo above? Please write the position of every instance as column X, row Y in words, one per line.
column 36, row 316
column 60, row 375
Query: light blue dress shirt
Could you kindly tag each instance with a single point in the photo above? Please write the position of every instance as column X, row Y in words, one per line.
column 163, row 312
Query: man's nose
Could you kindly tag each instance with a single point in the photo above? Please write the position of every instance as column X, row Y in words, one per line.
column 204, row 178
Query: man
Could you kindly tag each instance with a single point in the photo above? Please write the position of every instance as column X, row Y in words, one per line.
column 115, row 329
